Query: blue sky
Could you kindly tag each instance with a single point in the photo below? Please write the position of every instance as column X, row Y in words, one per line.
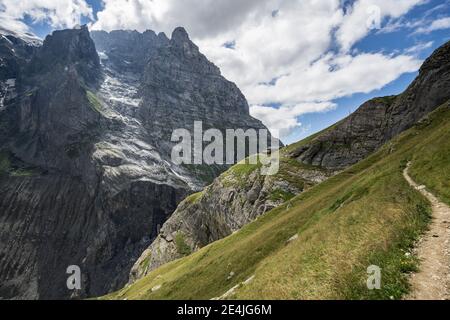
column 326, row 60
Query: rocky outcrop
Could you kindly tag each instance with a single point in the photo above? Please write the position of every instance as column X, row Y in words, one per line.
column 237, row 197
column 85, row 177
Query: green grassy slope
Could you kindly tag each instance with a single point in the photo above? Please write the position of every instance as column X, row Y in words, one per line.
column 367, row 215
column 11, row 167
column 431, row 163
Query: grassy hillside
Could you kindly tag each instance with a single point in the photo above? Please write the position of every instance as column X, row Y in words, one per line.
column 431, row 162
column 367, row 215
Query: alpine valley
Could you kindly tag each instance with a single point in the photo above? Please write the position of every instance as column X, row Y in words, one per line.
column 87, row 179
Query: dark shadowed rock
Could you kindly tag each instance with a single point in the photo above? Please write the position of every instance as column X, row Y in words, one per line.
column 68, row 49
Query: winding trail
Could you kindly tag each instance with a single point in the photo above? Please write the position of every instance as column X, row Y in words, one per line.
column 432, row 282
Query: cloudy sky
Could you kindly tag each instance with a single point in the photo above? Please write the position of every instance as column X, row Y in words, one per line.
column 302, row 64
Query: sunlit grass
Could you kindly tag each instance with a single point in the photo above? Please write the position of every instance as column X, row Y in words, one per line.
column 367, row 215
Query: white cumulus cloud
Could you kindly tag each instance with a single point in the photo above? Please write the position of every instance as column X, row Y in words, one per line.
column 367, row 15
column 284, row 120
column 281, row 48
column 439, row 24
column 296, row 54
column 58, row 14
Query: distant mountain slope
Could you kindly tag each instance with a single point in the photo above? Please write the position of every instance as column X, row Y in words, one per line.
column 242, row 194
column 30, row 38
column 14, row 53
column 320, row 245
column 378, row 120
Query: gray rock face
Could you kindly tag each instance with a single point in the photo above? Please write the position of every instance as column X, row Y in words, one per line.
column 181, row 86
column 236, row 198
column 14, row 54
column 53, row 123
column 128, row 50
column 86, row 177
column 65, row 48
column 50, row 222
column 29, row 38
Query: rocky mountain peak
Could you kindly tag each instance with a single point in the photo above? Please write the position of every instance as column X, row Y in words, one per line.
column 15, row 53
column 162, row 36
column 182, row 43
column 180, row 35
column 67, row 48
column 237, row 197
column 438, row 59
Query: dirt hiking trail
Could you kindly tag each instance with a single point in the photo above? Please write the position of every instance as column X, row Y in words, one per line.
column 433, row 279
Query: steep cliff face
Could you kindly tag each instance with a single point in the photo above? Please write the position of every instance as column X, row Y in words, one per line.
column 14, row 54
column 180, row 84
column 83, row 177
column 51, row 114
column 128, row 50
column 65, row 48
column 175, row 87
column 52, row 221
column 241, row 194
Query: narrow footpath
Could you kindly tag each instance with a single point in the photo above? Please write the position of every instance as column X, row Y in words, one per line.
column 433, row 279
